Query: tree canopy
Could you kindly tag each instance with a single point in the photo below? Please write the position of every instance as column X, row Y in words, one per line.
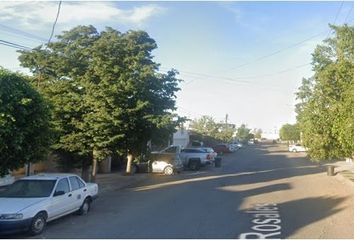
column 106, row 92
column 325, row 109
column 243, row 133
column 207, row 126
column 25, row 131
column 289, row 132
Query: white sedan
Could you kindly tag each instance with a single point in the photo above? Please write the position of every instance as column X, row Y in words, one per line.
column 297, row 148
column 31, row 202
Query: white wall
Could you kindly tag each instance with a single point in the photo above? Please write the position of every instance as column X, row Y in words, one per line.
column 181, row 138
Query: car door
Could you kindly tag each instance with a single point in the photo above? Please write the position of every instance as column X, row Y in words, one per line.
column 61, row 201
column 77, row 191
column 182, row 156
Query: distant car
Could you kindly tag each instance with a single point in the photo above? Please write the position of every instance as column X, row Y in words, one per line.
column 233, row 147
column 251, row 142
column 297, row 148
column 29, row 203
column 221, row 148
column 211, row 151
column 192, row 158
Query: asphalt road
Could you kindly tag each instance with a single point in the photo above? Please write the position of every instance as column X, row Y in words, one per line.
column 260, row 191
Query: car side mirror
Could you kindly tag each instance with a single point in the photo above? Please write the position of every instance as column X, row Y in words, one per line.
column 58, row 193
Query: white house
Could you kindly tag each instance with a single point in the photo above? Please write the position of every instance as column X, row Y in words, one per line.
column 181, row 138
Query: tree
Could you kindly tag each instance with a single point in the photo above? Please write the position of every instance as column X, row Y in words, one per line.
column 226, row 132
column 208, row 127
column 325, row 109
column 243, row 133
column 25, row 133
column 290, row 132
column 205, row 125
column 105, row 89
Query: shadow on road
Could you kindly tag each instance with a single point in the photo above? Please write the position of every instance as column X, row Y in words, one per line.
column 304, row 212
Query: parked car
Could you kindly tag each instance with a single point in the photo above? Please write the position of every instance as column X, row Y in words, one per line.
column 297, row 148
column 222, row 148
column 29, row 203
column 192, row 158
column 195, row 158
column 233, row 147
column 210, row 151
column 237, row 144
column 166, row 163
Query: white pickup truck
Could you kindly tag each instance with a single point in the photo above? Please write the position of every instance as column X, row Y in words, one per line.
column 31, row 202
column 193, row 158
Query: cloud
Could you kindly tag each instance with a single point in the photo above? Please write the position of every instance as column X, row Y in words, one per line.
column 34, row 15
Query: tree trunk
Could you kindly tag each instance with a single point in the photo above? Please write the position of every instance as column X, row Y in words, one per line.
column 94, row 167
column 129, row 163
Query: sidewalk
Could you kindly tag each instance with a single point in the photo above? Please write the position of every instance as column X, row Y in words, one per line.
column 115, row 181
column 344, row 171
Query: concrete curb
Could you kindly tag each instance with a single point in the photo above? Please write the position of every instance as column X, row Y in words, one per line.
column 344, row 179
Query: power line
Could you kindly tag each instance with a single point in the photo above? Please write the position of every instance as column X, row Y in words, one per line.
column 9, row 45
column 55, row 22
column 350, row 11
column 335, row 19
column 274, row 53
column 338, row 12
column 278, row 51
column 291, row 46
column 21, row 33
column 14, row 45
column 236, row 79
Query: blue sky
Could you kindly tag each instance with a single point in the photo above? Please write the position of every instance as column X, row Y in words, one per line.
column 216, row 46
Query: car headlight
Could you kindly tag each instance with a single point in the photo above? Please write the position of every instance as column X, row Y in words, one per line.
column 11, row 216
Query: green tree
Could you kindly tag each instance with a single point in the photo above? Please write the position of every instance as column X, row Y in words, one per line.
column 289, row 132
column 226, row 132
column 325, row 112
column 105, row 89
column 205, row 125
column 243, row 133
column 25, row 133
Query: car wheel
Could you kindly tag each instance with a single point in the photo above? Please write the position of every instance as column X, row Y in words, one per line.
column 194, row 165
column 85, row 207
column 294, row 150
column 168, row 170
column 38, row 224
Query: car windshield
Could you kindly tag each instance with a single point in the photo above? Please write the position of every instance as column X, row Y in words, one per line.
column 29, row 189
